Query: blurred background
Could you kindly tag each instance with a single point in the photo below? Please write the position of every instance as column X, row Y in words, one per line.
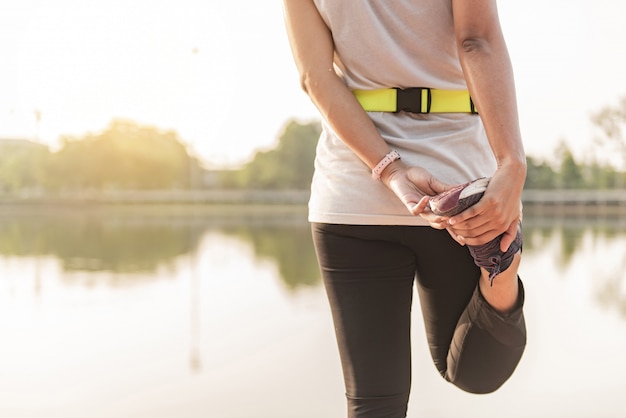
column 155, row 258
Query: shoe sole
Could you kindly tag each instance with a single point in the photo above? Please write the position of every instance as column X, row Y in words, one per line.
column 459, row 198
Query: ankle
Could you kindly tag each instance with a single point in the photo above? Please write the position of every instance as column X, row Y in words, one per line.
column 502, row 293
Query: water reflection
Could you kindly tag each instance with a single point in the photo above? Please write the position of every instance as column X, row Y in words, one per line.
column 139, row 242
column 220, row 303
column 570, row 232
column 288, row 246
column 142, row 240
column 590, row 245
column 98, row 242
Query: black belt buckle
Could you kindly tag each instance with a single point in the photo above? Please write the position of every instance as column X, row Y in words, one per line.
column 410, row 100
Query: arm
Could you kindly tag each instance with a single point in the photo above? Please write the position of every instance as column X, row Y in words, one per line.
column 488, row 71
column 313, row 51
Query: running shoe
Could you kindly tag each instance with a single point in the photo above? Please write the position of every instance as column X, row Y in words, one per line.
column 488, row 256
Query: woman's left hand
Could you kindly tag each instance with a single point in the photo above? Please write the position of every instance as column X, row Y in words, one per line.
column 412, row 185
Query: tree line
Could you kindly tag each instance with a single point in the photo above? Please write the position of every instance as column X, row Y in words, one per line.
column 290, row 164
column 128, row 156
column 125, row 155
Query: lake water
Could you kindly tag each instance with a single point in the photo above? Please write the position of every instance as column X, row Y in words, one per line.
column 189, row 312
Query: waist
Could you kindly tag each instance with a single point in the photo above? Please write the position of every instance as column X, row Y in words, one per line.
column 416, row 100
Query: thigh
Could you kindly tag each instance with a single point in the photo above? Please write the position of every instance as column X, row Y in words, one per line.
column 446, row 279
column 369, row 277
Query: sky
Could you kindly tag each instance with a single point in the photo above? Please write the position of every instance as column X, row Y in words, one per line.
column 220, row 73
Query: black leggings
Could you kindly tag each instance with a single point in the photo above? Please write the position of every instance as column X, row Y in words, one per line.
column 368, row 273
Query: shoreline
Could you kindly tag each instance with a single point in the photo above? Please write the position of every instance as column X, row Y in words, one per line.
column 240, row 202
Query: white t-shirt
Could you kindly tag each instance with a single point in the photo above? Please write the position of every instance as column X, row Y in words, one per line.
column 395, row 43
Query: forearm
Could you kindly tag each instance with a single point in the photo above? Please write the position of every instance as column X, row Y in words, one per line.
column 489, row 75
column 345, row 116
column 313, row 51
column 487, row 68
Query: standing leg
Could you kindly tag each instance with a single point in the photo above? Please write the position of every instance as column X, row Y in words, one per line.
column 369, row 282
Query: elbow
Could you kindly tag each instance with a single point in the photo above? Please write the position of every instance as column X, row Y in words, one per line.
column 474, row 45
column 310, row 81
column 305, row 82
column 481, row 42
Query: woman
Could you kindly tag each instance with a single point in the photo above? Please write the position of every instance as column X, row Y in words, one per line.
column 360, row 63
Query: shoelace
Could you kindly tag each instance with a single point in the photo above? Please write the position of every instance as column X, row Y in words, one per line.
column 490, row 257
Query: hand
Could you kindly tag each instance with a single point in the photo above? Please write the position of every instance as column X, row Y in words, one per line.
column 412, row 185
column 498, row 212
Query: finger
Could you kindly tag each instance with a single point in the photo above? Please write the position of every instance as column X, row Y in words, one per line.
column 437, row 186
column 430, row 216
column 438, row 225
column 433, row 220
column 458, row 238
column 436, row 221
column 479, row 239
column 467, row 214
column 427, row 183
column 419, row 208
column 508, row 237
column 472, row 229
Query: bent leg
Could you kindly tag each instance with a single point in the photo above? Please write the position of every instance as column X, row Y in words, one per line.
column 487, row 345
column 473, row 345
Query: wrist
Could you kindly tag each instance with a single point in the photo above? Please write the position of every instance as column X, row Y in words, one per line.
column 390, row 171
column 516, row 164
column 514, row 167
column 385, row 162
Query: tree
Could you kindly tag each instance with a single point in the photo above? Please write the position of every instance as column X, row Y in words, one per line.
column 289, row 165
column 124, row 156
column 601, row 176
column 570, row 173
column 539, row 174
column 22, row 165
column 611, row 121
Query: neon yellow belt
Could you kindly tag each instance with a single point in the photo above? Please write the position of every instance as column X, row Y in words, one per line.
column 416, row 100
